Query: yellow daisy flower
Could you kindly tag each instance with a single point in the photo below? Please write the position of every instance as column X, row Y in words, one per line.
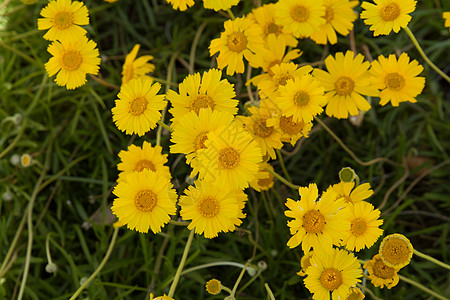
column 380, row 274
column 230, row 159
column 264, row 16
column 181, row 4
column 26, row 160
column 213, row 286
column 62, row 19
column 364, row 223
column 290, row 130
column 387, row 15
column 339, row 16
column 396, row 251
column 211, row 209
column 135, row 68
column 360, row 193
column 335, row 272
column 144, row 201
column 355, row 294
column 219, row 4
column 137, row 159
column 346, row 80
column 397, row 80
column 191, row 132
column 72, row 60
column 317, row 224
column 241, row 38
column 305, row 263
column 302, row 98
column 138, row 108
column 199, row 92
column 301, row 17
column 446, row 16
column 163, row 297
column 263, row 180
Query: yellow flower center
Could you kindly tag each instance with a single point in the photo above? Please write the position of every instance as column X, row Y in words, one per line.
column 390, row 12
column 265, row 182
column 260, row 128
column 395, row 251
column 213, row 286
column 381, row 270
column 301, row 98
column 394, row 81
column 63, row 20
column 71, row 60
column 237, row 41
column 200, row 140
column 344, row 86
column 229, row 158
column 290, row 127
column 201, row 102
column 138, row 105
column 273, row 28
column 331, row 279
column 313, row 221
column 208, row 207
column 281, row 79
column 300, row 13
column 358, row 227
column 145, row 200
column 329, row 14
column 144, row 164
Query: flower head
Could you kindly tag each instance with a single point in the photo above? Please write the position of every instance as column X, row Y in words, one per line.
column 219, row 4
column 291, row 131
column 305, row 263
column 263, row 180
column 381, row 274
column 396, row 251
column 213, row 286
column 446, row 16
column 345, row 190
column 135, row 68
column 26, row 160
column 181, row 4
column 355, row 294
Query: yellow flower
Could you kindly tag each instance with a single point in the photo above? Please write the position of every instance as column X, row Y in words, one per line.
column 387, row 15
column 142, row 158
column 241, row 38
column 191, row 132
column 219, row 4
column 396, row 251
column 355, row 294
column 181, row 4
column 72, row 60
column 199, row 92
column 144, row 201
column 111, row 1
column 230, row 159
column 290, row 130
column 360, row 193
column 26, row 160
column 138, row 108
column 381, row 274
column 335, row 272
column 317, row 224
column 346, row 80
column 397, row 80
column 305, row 263
column 61, row 18
column 263, row 180
column 212, row 209
column 135, row 68
column 302, row 98
column 163, row 297
column 446, row 16
column 364, row 223
column 301, row 18
column 339, row 16
column 213, row 286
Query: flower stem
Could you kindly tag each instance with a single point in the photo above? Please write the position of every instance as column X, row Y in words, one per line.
column 269, row 291
column 424, row 56
column 165, row 126
column 423, row 288
column 197, row 36
column 230, row 13
column 283, row 166
column 433, row 260
column 180, row 267
column 291, row 185
column 233, row 292
column 368, row 291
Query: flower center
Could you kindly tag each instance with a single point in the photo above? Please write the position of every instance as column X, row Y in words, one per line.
column 229, row 158
column 394, row 81
column 301, row 98
column 300, row 13
column 71, row 60
column 313, row 221
column 381, row 270
column 273, row 28
column 63, row 20
column 290, row 127
column 237, row 41
column 344, row 86
column 395, row 251
column 213, row 286
column 144, row 164
column 138, row 105
column 200, row 140
column 260, row 128
column 358, row 227
column 201, row 102
column 208, row 207
column 390, row 12
column 331, row 279
column 281, row 79
column 145, row 200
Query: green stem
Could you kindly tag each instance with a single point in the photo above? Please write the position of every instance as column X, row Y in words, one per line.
column 226, row 289
column 420, row 286
column 100, row 267
column 424, row 56
column 433, row 260
column 5, row 263
column 180, row 267
column 230, row 13
column 291, row 185
column 368, row 291
column 178, row 223
column 283, row 166
column 165, row 125
column 269, row 291
column 233, row 292
column 197, row 36
column 214, row 264
column 14, row 142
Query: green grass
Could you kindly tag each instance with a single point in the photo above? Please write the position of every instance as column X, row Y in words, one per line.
column 72, row 137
